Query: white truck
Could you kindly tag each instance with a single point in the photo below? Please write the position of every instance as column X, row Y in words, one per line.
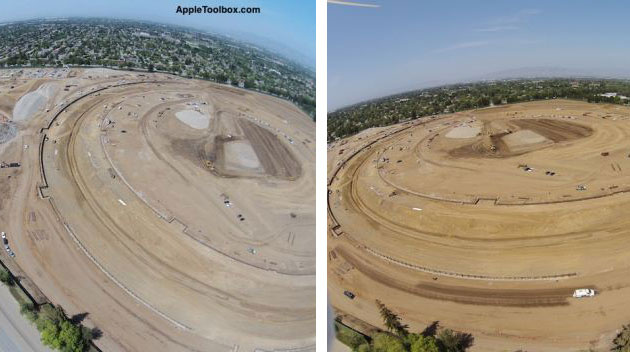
column 583, row 292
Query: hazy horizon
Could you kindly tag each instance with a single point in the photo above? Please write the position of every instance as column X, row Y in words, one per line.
column 285, row 27
column 420, row 45
column 511, row 74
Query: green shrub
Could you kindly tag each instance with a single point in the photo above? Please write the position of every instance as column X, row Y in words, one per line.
column 385, row 342
column 349, row 337
column 58, row 332
column 364, row 348
column 29, row 311
column 450, row 341
column 6, row 277
column 621, row 343
column 419, row 343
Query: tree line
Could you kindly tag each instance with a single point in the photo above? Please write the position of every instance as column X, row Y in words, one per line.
column 398, row 338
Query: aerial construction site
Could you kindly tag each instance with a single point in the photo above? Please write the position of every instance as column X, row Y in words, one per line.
column 487, row 221
column 173, row 214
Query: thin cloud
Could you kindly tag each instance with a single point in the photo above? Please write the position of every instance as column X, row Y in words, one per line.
column 497, row 29
column 464, row 45
column 351, row 3
column 519, row 17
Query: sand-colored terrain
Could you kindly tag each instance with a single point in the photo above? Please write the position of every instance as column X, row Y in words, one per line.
column 172, row 232
column 33, row 102
column 193, row 119
column 489, row 232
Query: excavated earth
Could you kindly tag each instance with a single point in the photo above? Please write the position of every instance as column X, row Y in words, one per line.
column 487, row 221
column 174, row 214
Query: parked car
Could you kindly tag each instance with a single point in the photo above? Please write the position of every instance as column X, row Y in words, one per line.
column 583, row 292
column 349, row 294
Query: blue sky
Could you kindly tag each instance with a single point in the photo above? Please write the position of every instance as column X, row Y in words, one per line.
column 411, row 44
column 287, row 23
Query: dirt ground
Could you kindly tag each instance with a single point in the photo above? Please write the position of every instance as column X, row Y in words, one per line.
column 487, row 233
column 109, row 216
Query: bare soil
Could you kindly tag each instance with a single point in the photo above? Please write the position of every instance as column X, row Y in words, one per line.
column 491, row 234
column 111, row 215
column 276, row 158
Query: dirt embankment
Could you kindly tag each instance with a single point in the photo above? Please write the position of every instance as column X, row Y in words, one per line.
column 557, row 131
column 275, row 157
column 493, row 145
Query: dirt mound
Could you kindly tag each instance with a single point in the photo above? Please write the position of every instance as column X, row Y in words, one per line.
column 557, row 131
column 463, row 131
column 521, row 136
column 33, row 102
column 248, row 150
column 228, row 156
column 491, row 146
column 193, row 119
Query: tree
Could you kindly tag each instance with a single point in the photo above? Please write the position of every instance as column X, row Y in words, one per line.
column 450, row 341
column 385, row 342
column 50, row 334
column 70, row 337
column 6, row 277
column 151, row 68
column 55, row 314
column 392, row 321
column 363, row 348
column 30, row 315
column 421, row 343
column 58, row 332
column 87, row 334
column 425, row 344
column 621, row 343
column 29, row 311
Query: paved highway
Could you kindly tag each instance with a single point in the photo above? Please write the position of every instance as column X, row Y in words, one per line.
column 16, row 333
